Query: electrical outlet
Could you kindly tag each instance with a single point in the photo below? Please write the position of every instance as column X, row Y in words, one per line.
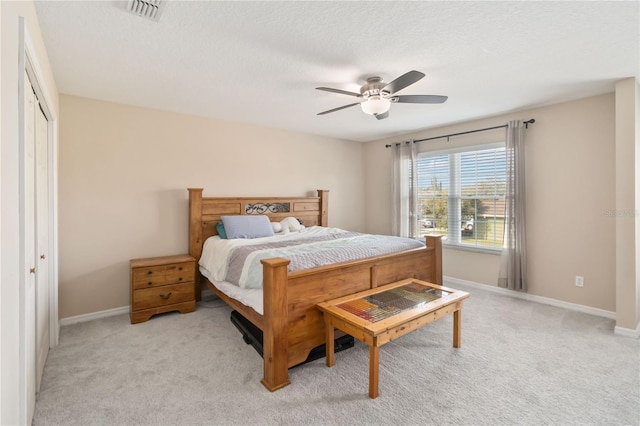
column 579, row 281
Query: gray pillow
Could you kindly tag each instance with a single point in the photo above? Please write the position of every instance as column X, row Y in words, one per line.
column 249, row 226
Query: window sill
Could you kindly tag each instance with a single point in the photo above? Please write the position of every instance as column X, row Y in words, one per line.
column 484, row 250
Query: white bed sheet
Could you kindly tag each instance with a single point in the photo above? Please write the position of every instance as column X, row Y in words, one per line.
column 215, row 250
column 251, row 297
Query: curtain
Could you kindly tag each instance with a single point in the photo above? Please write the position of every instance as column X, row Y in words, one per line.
column 513, row 267
column 405, row 191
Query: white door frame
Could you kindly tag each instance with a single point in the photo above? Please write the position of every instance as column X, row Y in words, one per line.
column 28, row 60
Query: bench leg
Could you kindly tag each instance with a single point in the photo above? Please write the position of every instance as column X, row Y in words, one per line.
column 457, row 328
column 328, row 333
column 374, row 370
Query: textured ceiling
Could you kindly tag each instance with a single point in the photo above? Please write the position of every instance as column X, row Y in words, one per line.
column 259, row 62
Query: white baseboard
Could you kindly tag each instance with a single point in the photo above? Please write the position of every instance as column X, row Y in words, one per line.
column 628, row 332
column 94, row 315
column 457, row 282
column 206, row 294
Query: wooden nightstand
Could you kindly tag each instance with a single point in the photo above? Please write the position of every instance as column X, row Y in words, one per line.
column 162, row 284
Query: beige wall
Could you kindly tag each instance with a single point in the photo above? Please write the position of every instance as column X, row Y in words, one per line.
column 12, row 402
column 571, row 182
column 124, row 173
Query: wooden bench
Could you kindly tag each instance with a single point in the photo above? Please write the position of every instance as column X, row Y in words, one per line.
column 383, row 314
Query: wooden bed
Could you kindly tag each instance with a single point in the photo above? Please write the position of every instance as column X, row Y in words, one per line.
column 291, row 324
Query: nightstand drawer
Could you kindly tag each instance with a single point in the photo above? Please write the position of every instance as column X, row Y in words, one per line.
column 161, row 296
column 179, row 273
column 148, row 277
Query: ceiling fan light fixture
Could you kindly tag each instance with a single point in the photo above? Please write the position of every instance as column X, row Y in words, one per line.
column 375, row 97
column 375, row 105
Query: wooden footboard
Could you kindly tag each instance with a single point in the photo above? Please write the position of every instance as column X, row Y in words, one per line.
column 291, row 324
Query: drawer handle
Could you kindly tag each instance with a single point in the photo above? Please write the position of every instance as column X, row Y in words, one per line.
column 180, row 279
column 150, row 282
column 150, row 272
column 180, row 268
column 165, row 296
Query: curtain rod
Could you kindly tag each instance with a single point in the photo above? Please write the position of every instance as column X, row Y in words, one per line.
column 526, row 125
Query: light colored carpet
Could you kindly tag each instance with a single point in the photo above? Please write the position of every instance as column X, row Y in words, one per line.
column 520, row 363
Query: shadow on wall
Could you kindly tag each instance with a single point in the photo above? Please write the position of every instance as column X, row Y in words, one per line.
column 156, row 224
column 98, row 290
column 172, row 232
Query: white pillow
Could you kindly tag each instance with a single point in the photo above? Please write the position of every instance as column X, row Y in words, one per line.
column 247, row 226
column 290, row 224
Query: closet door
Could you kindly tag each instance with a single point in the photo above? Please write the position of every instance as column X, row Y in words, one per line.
column 28, row 228
column 42, row 243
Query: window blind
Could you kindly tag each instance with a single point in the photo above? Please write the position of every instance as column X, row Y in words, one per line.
column 461, row 196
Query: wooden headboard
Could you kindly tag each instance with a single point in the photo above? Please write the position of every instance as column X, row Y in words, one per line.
column 205, row 212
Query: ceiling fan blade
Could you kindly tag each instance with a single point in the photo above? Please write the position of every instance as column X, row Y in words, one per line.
column 403, row 81
column 382, row 116
column 337, row 109
column 342, row 92
column 420, row 99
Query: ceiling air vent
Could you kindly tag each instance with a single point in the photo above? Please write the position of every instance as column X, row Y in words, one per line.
column 150, row 9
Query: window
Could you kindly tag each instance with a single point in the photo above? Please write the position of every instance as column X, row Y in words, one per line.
column 461, row 194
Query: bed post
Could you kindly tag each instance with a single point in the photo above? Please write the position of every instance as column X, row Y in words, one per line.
column 435, row 242
column 195, row 222
column 275, row 324
column 195, row 233
column 324, row 206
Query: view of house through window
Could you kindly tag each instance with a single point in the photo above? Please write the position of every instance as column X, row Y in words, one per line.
column 462, row 195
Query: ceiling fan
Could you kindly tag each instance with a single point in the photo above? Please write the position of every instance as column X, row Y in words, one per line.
column 377, row 96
